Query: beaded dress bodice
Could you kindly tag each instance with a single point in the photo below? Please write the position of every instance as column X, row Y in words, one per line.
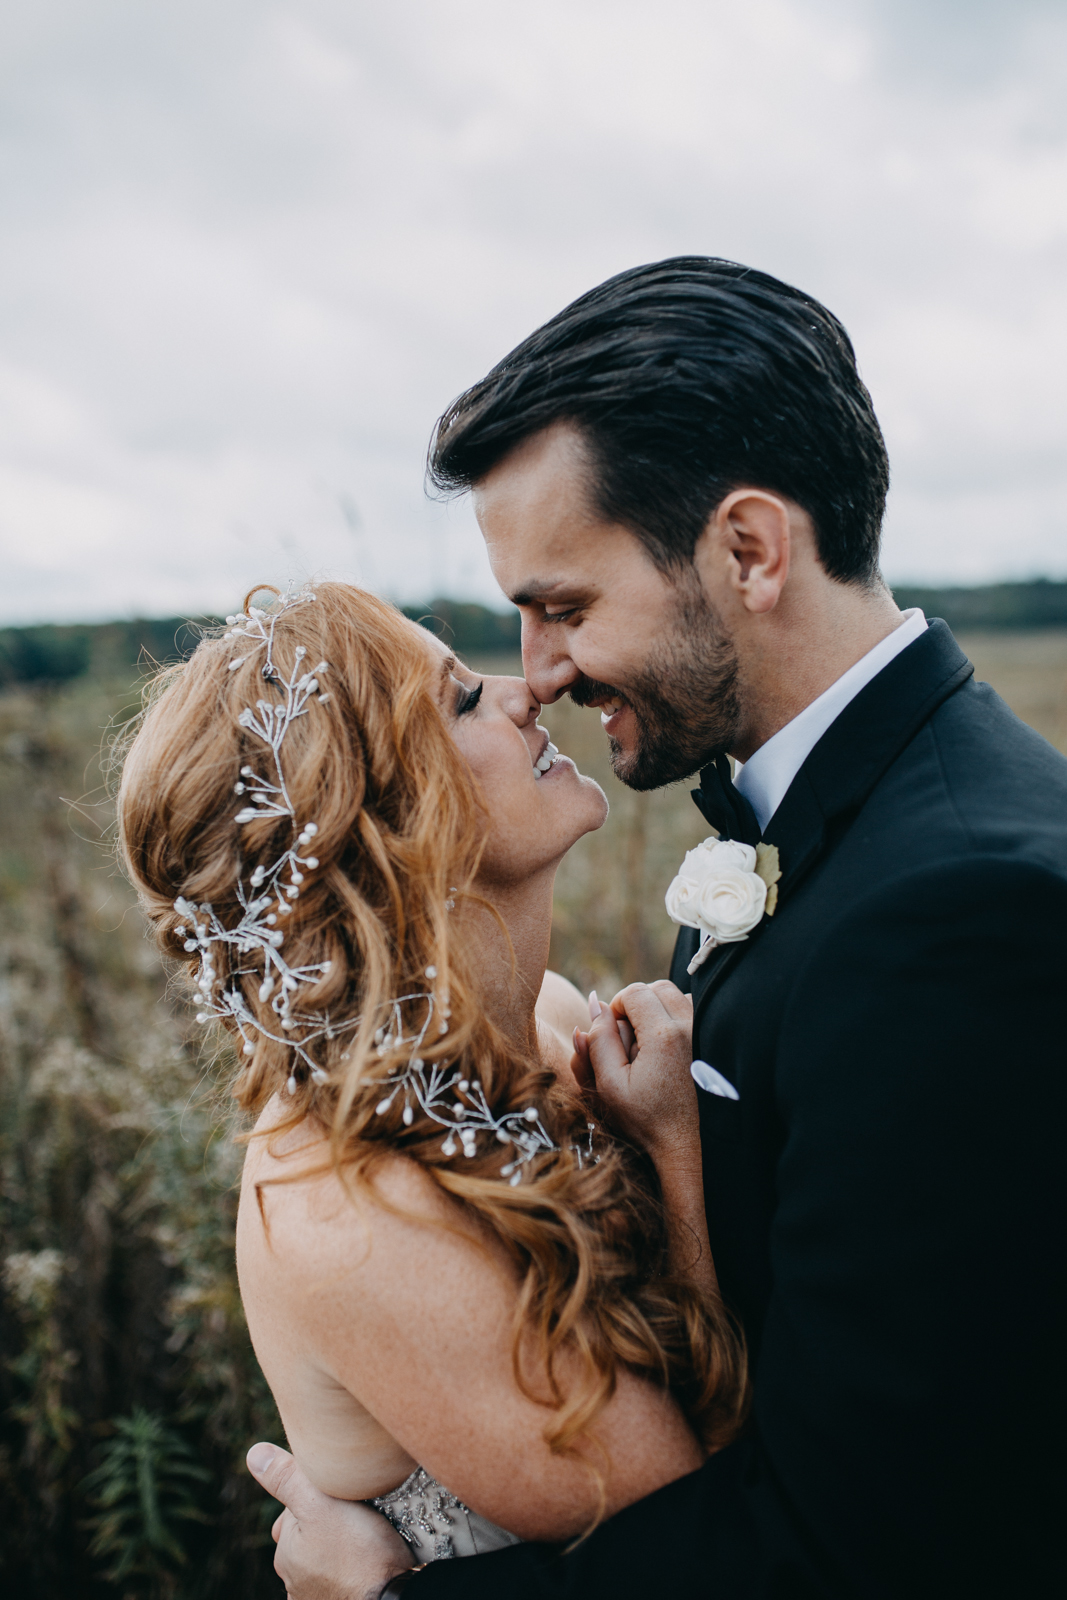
column 435, row 1524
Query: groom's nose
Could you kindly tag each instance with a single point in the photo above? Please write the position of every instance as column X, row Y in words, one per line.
column 546, row 661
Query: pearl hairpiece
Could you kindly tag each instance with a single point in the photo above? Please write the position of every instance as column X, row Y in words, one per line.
column 450, row 1099
column 453, row 1101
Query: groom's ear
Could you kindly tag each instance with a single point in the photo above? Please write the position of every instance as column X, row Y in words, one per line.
column 744, row 553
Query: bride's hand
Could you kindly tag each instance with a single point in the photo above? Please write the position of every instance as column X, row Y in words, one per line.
column 635, row 1059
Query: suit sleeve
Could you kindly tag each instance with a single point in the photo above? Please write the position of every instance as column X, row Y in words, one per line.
column 910, row 1406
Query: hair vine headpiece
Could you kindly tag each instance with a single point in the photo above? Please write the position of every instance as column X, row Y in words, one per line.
column 455, row 1102
column 266, row 901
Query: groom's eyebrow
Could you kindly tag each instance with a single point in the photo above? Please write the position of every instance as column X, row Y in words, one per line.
column 539, row 590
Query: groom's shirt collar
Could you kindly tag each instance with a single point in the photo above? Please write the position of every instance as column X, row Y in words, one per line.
column 765, row 776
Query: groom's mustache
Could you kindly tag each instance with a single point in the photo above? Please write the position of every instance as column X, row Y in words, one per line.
column 587, row 691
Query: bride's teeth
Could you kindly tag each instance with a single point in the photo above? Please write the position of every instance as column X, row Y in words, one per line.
column 545, row 759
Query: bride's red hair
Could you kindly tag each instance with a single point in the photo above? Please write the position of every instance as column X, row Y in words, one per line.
column 401, row 825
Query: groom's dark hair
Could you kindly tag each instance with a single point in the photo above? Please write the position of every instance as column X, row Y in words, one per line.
column 687, row 379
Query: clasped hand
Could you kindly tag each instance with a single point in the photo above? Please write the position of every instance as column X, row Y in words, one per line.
column 634, row 1063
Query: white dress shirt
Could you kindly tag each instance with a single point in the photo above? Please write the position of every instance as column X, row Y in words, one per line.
column 765, row 776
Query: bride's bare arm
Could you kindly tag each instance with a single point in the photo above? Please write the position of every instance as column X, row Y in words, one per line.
column 407, row 1303
column 647, row 1093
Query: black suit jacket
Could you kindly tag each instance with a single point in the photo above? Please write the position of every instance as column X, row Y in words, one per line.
column 886, row 1198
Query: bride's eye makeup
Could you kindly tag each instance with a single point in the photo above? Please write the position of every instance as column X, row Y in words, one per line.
column 468, row 700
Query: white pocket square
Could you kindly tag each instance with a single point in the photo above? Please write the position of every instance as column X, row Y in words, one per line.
column 706, row 1077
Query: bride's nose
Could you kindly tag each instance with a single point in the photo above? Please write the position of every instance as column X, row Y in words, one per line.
column 518, row 701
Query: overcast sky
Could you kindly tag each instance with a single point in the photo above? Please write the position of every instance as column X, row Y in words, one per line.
column 249, row 251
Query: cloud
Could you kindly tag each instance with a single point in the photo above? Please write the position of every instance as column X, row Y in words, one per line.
column 250, row 252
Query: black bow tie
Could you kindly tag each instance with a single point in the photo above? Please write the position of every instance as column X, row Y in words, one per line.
column 724, row 806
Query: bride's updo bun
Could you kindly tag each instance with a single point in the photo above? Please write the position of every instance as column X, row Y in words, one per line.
column 398, row 826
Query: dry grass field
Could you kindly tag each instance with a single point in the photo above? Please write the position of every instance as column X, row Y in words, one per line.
column 122, row 1343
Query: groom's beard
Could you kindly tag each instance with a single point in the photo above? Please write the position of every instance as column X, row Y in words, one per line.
column 685, row 700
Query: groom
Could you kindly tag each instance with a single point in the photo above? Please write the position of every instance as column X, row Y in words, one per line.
column 680, row 480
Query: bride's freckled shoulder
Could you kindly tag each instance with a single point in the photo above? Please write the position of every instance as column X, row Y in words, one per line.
column 299, row 1200
column 332, row 1272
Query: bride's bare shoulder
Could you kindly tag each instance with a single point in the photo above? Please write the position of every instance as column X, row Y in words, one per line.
column 562, row 1007
column 415, row 1321
column 308, row 1208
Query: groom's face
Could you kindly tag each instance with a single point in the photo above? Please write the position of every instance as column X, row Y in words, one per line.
column 601, row 622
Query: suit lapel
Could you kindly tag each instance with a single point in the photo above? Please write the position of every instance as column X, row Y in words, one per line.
column 707, row 978
column 841, row 771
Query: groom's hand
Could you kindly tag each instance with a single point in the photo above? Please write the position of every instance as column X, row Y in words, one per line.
column 644, row 1088
column 327, row 1549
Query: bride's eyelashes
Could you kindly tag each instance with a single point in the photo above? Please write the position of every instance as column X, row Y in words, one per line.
column 468, row 700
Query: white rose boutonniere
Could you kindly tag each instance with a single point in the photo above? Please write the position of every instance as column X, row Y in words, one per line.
column 724, row 888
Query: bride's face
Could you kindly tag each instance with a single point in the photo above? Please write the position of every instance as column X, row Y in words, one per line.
column 535, row 816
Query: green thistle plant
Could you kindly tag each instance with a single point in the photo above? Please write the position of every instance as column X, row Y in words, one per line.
column 142, row 1488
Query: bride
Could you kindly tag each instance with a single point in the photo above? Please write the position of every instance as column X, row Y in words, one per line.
column 451, row 1276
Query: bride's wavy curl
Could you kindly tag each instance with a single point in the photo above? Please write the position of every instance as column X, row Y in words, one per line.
column 401, row 826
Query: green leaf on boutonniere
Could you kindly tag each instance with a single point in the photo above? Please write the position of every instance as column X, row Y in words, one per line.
column 768, row 869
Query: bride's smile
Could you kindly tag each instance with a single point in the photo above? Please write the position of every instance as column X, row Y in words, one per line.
column 537, row 801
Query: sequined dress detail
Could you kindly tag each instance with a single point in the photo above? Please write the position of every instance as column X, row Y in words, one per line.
column 435, row 1524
